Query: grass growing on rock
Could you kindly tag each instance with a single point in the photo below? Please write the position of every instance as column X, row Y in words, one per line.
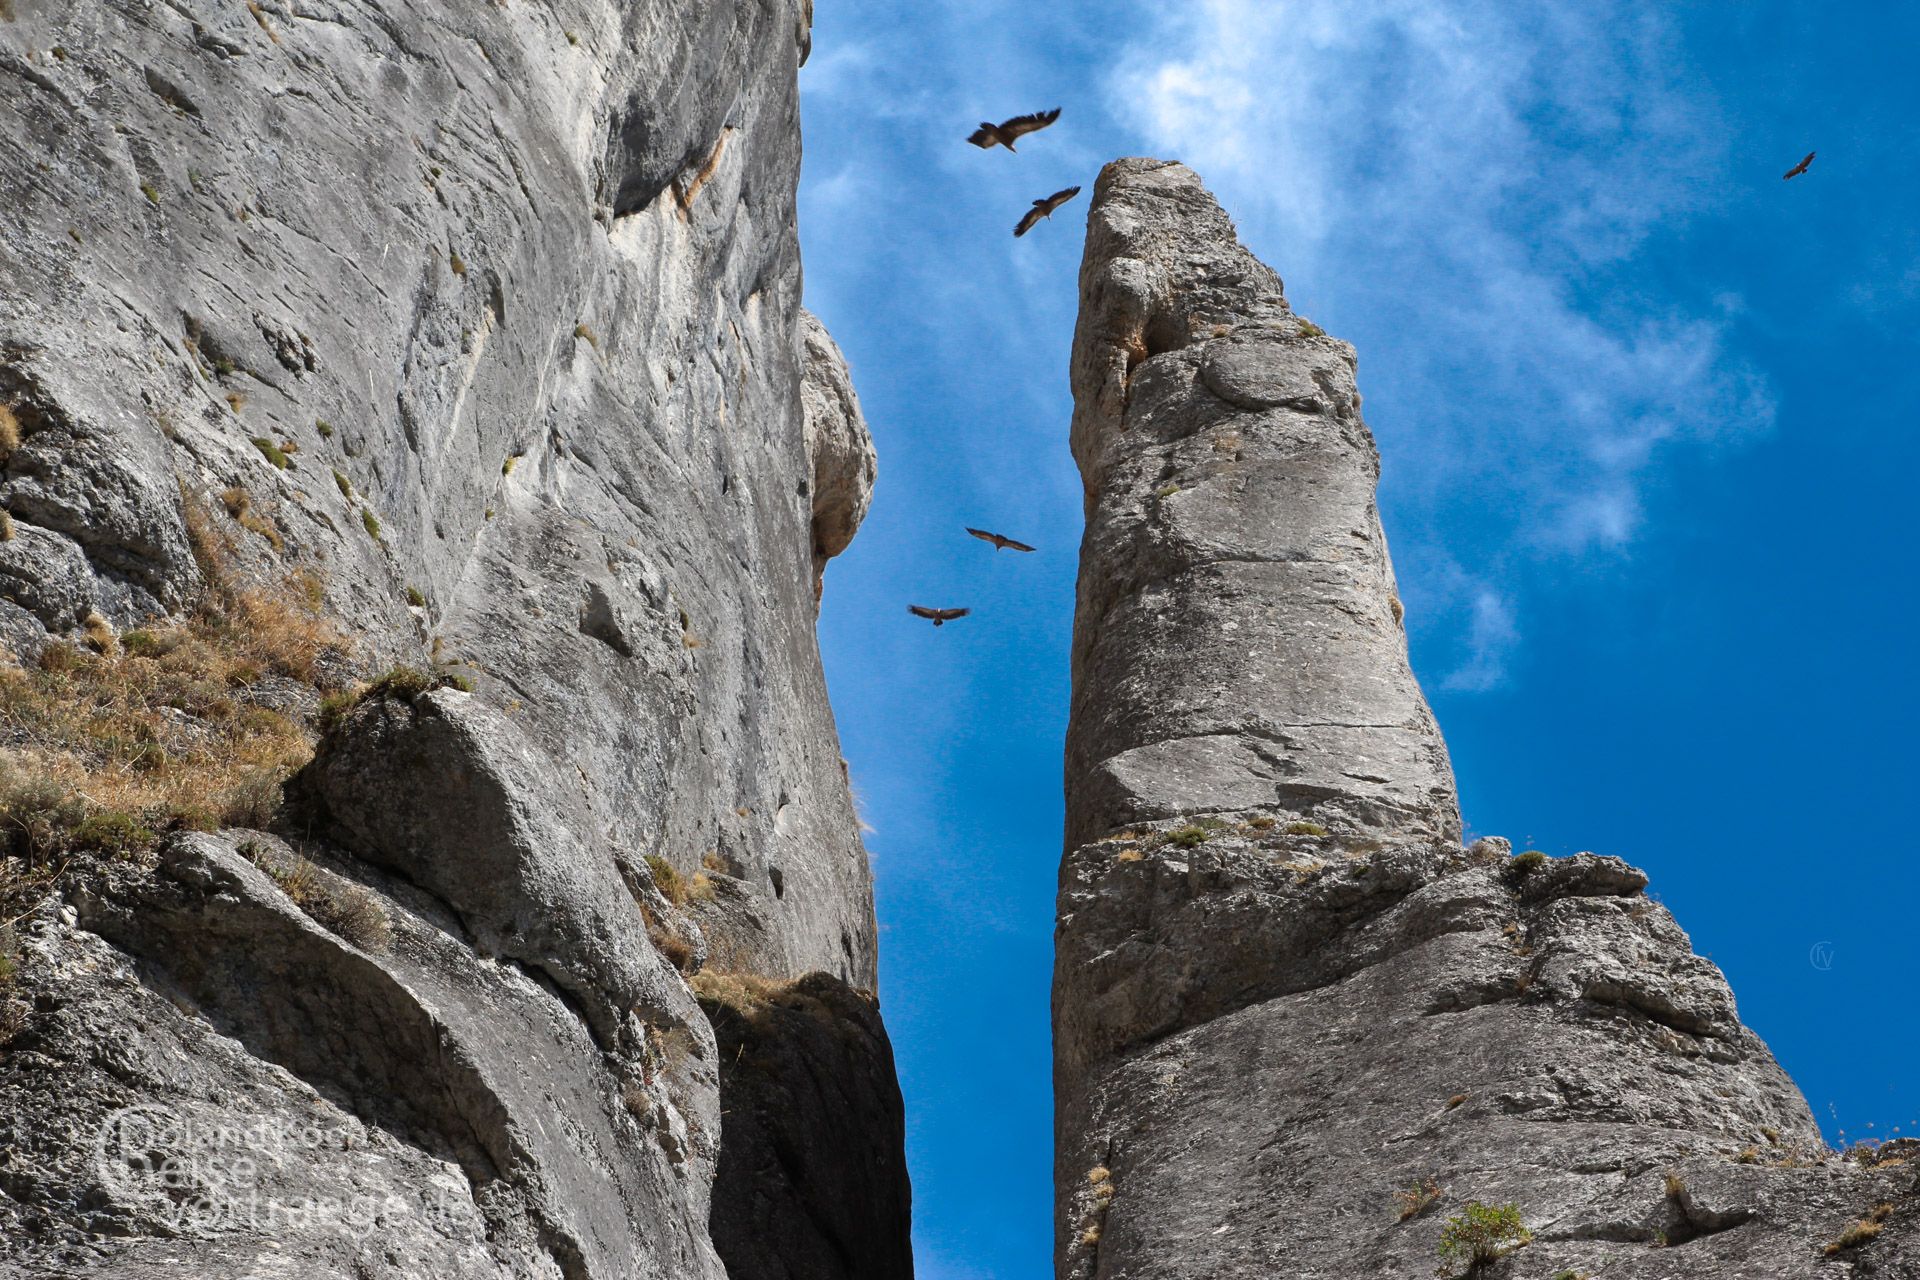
column 1862, row 1232
column 668, row 880
column 1522, row 865
column 345, row 909
column 1483, row 1233
column 239, row 505
column 1418, row 1198
column 271, row 452
column 180, row 725
column 1188, row 837
column 396, row 684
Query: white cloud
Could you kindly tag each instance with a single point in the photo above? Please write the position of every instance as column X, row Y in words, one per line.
column 1465, row 189
column 1492, row 635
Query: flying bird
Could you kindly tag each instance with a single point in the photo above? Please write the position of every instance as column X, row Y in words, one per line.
column 1044, row 209
column 1800, row 168
column 1004, row 134
column 940, row 616
column 999, row 542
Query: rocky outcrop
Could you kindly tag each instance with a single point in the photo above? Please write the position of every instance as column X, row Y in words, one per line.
column 1237, row 641
column 1299, row 1027
column 838, row 444
column 481, row 325
column 812, row 1179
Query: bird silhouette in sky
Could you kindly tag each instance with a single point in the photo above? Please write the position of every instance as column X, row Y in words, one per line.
column 999, row 542
column 1007, row 132
column 1044, row 209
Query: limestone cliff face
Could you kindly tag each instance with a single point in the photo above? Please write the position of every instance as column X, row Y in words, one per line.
column 482, row 322
column 1284, row 993
column 1237, row 641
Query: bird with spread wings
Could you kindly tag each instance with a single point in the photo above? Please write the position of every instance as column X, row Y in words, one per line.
column 1800, row 168
column 1007, row 132
column 940, row 616
column 1044, row 209
column 999, row 542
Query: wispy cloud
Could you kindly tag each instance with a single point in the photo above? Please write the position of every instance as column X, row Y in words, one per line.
column 1491, row 635
column 1469, row 191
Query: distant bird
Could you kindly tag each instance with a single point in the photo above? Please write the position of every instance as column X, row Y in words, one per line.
column 940, row 616
column 1044, row 209
column 999, row 543
column 1800, row 168
column 990, row 135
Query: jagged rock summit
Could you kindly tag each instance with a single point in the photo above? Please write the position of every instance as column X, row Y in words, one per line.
column 465, row 338
column 1298, row 1027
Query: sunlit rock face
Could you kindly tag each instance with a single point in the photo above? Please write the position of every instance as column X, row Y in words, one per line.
column 1297, row 1026
column 481, row 322
column 1238, row 642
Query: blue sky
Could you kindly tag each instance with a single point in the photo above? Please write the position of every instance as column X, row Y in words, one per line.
column 1647, row 422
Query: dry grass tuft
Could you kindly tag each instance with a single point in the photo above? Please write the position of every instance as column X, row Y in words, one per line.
column 345, row 909
column 163, row 730
column 99, row 633
column 1418, row 1198
column 259, row 16
column 1862, row 1232
column 10, row 433
column 667, row 879
column 239, row 505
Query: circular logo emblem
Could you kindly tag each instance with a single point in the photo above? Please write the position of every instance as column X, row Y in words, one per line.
column 137, row 1149
column 1820, row 955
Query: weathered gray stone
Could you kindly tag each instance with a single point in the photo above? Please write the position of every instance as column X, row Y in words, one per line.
column 812, row 1178
column 450, row 796
column 1238, row 641
column 839, row 446
column 514, row 292
column 1283, row 992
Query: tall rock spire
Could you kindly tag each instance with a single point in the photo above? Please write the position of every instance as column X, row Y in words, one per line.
column 1238, row 643
column 1297, row 1027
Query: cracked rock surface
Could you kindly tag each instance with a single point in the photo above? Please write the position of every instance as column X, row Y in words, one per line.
column 484, row 321
column 1297, row 1025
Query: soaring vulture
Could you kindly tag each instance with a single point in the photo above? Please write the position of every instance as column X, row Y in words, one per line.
column 999, row 543
column 940, row 616
column 1800, row 168
column 1044, row 209
column 990, row 135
